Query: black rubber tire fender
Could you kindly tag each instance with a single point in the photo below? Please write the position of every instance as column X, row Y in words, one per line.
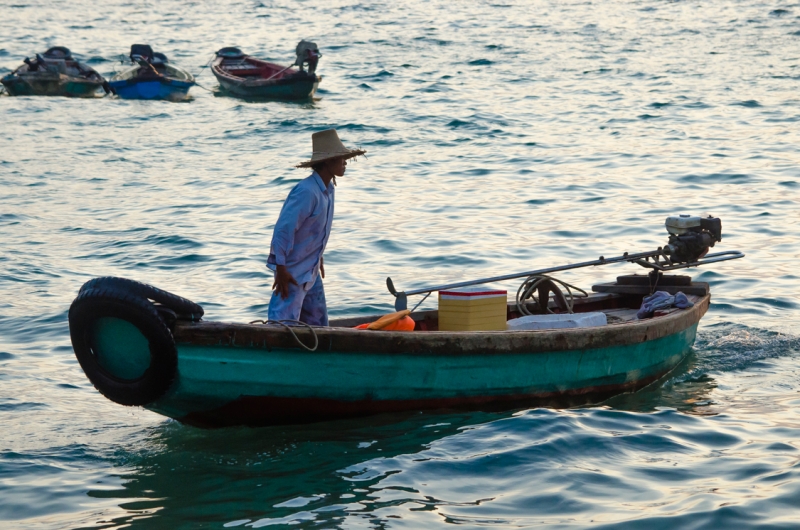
column 93, row 304
column 184, row 308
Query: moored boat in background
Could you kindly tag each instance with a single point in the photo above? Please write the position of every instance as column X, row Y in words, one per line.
column 244, row 76
column 54, row 73
column 152, row 77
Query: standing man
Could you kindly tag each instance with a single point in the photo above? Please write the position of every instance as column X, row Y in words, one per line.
column 302, row 232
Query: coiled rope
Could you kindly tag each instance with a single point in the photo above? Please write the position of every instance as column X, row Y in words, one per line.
column 531, row 284
column 285, row 324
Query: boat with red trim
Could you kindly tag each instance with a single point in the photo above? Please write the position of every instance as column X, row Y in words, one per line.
column 245, row 76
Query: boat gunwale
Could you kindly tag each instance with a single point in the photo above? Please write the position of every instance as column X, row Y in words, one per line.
column 164, row 79
column 257, row 82
column 349, row 340
column 87, row 74
column 37, row 77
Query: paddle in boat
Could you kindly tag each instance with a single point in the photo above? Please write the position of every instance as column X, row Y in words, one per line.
column 152, row 76
column 142, row 346
column 54, row 73
column 244, row 76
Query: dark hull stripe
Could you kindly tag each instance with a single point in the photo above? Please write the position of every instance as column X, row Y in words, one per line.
column 264, row 410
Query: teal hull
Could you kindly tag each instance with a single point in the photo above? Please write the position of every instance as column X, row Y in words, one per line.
column 213, row 374
column 226, row 385
column 51, row 86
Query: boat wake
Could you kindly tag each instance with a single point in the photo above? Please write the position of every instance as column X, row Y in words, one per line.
column 729, row 347
column 710, row 376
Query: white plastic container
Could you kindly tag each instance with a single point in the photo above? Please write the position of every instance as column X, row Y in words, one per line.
column 575, row 320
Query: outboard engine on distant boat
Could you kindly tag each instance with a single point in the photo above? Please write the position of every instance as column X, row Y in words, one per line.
column 690, row 237
column 141, row 51
column 307, row 52
column 57, row 54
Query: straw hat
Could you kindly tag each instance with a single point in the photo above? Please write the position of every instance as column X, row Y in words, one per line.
column 326, row 146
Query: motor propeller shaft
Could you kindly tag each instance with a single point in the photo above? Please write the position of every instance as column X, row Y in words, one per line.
column 689, row 242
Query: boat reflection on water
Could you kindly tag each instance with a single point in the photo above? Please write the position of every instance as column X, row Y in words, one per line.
column 182, row 473
column 688, row 391
column 330, row 471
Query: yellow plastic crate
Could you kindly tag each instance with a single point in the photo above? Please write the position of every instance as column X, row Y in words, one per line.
column 474, row 310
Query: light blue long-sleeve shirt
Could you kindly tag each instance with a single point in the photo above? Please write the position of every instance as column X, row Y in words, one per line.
column 303, row 229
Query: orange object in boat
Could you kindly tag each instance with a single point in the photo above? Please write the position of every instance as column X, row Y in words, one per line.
column 399, row 321
column 404, row 324
column 385, row 320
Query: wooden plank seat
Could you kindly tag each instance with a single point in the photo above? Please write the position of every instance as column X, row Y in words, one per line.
column 246, row 73
column 243, row 69
column 620, row 316
column 240, row 65
column 696, row 288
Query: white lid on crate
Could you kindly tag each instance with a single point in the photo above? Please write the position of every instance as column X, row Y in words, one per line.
column 472, row 293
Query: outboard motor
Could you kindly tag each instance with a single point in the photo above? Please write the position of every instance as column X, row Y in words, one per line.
column 141, row 52
column 690, row 237
column 307, row 52
column 54, row 54
column 230, row 52
column 33, row 66
column 58, row 52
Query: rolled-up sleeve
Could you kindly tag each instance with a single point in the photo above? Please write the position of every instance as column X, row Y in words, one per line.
column 298, row 207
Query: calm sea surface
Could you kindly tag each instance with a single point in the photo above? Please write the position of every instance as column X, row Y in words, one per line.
column 501, row 137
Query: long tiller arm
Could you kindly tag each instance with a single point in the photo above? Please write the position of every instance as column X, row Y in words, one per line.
column 661, row 262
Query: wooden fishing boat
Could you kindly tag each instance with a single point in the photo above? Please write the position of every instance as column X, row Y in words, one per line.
column 54, row 73
column 267, row 379
column 244, row 76
column 216, row 374
column 152, row 76
column 142, row 346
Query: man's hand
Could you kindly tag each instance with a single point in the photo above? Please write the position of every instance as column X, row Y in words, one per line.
column 321, row 266
column 282, row 280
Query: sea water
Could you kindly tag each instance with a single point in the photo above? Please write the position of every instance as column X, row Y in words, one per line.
column 502, row 136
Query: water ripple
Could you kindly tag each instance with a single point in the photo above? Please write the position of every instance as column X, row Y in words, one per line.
column 502, row 137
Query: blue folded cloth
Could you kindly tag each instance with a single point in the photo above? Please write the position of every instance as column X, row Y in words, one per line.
column 657, row 300
column 681, row 301
column 662, row 300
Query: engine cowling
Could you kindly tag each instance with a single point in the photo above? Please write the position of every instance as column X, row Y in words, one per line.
column 690, row 237
column 307, row 52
